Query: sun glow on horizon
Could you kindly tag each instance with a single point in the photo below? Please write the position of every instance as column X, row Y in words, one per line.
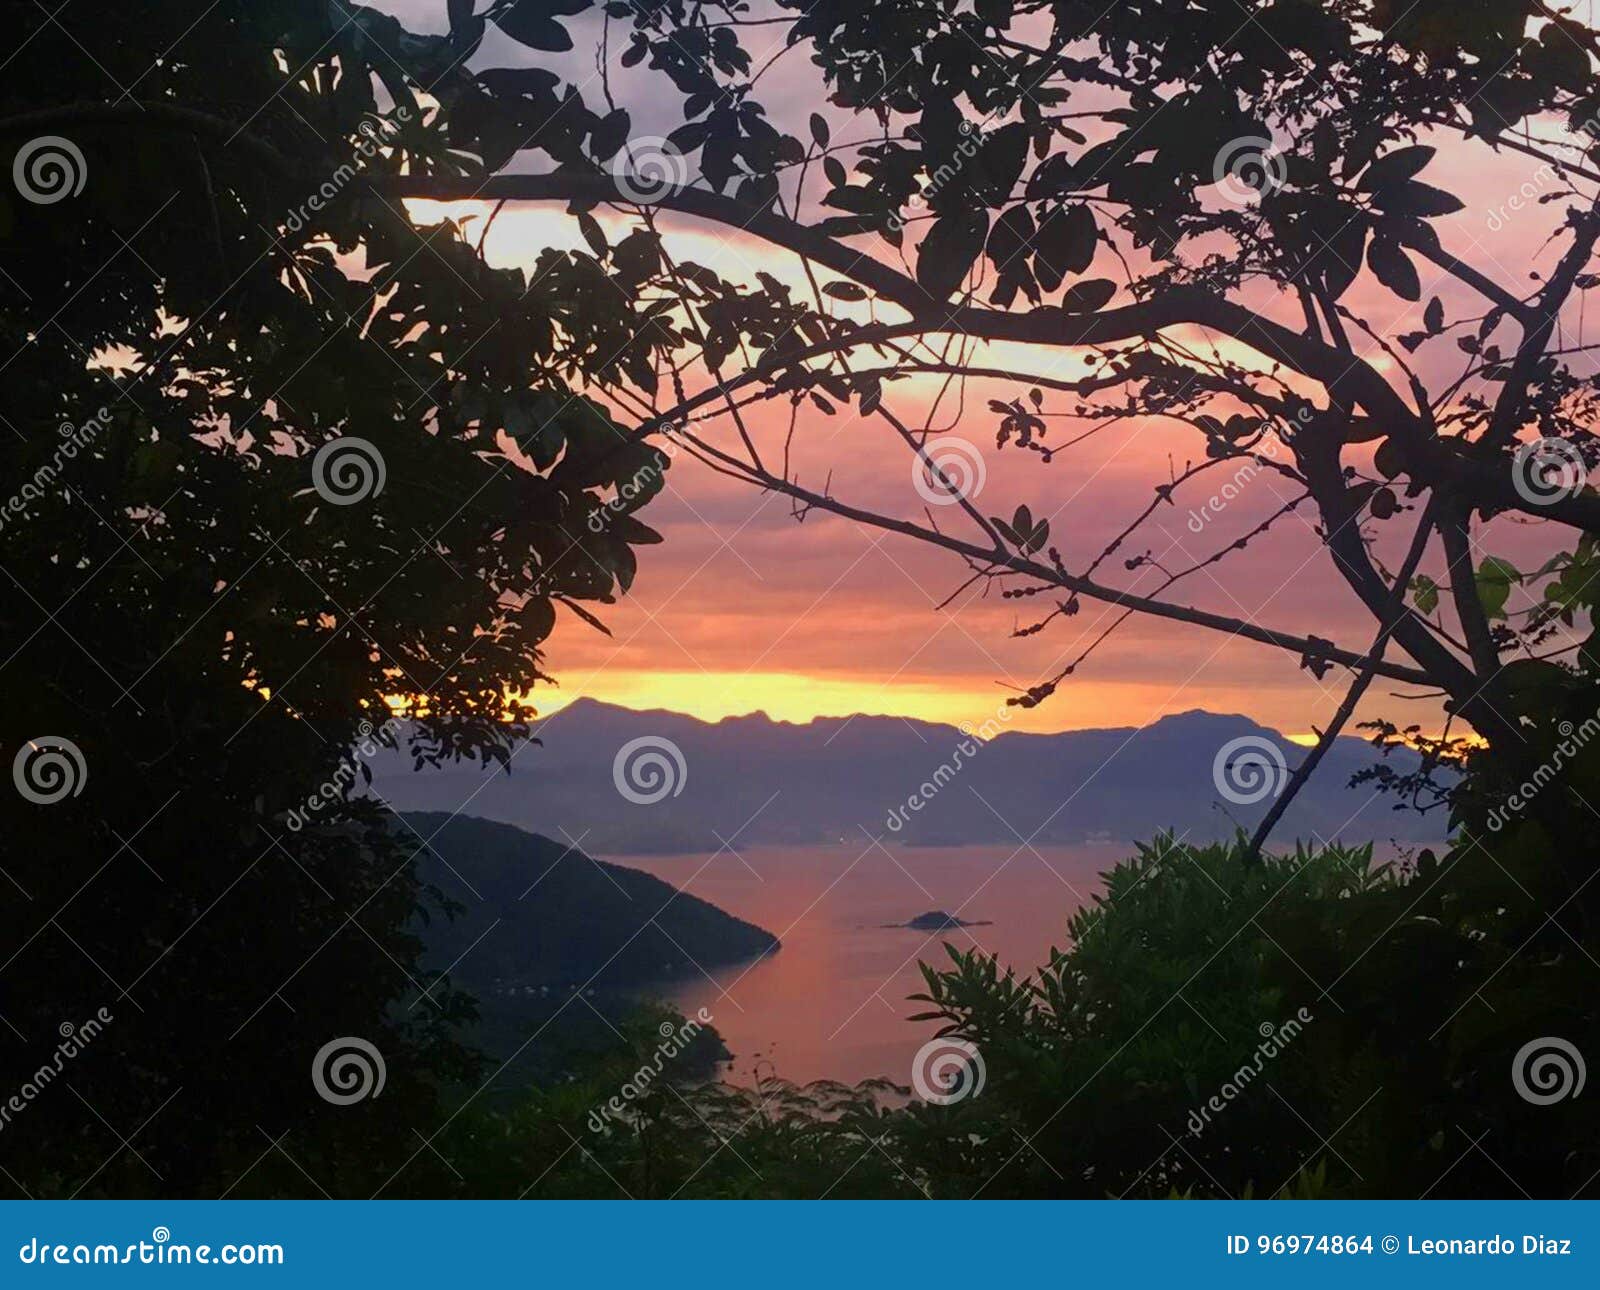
column 782, row 696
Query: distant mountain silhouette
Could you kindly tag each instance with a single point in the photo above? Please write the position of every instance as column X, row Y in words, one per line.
column 751, row 780
column 542, row 913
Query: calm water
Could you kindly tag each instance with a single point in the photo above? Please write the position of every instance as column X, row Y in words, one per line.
column 832, row 1002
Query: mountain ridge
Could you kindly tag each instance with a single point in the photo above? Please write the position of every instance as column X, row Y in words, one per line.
column 757, row 780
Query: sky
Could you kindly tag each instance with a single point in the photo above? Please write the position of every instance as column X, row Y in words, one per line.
column 744, row 608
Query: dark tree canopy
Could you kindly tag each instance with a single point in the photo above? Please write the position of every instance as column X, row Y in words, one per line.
column 324, row 453
column 257, row 482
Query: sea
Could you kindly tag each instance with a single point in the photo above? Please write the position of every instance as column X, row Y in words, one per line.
column 833, row 1002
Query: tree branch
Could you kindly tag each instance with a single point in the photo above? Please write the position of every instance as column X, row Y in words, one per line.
column 1364, row 675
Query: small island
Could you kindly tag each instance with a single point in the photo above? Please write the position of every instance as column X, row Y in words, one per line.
column 937, row 921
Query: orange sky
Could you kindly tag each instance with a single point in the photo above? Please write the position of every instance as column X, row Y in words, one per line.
column 744, row 609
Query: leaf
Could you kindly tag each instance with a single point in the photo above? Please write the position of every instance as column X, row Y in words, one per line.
column 1026, row 535
column 1416, row 199
column 1563, row 59
column 1010, row 238
column 609, row 134
column 525, row 21
column 844, row 291
column 1001, row 160
column 1425, row 593
column 1495, row 578
column 1387, row 459
column 948, row 251
column 593, row 234
column 1433, row 315
column 1066, row 240
column 1340, row 261
column 637, row 257
column 1394, row 268
column 634, row 532
column 1395, row 168
column 1005, row 530
column 1088, row 295
column 1384, row 504
column 819, row 130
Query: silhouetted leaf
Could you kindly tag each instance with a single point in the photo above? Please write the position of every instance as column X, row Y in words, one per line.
column 1395, row 168
column 1065, row 242
column 1089, row 295
column 1416, row 199
column 948, row 251
column 526, row 22
column 1394, row 268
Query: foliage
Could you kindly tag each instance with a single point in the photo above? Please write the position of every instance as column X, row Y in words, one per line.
column 1421, row 983
column 190, row 608
column 1098, row 1063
